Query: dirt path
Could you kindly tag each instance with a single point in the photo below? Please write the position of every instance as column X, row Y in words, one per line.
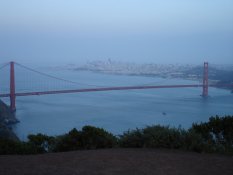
column 118, row 161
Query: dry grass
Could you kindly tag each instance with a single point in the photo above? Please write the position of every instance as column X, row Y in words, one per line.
column 118, row 161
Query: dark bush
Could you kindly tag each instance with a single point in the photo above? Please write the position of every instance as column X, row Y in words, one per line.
column 194, row 141
column 131, row 139
column 16, row 147
column 216, row 135
column 69, row 142
column 212, row 136
column 93, row 138
column 42, row 142
column 89, row 138
column 163, row 137
column 153, row 137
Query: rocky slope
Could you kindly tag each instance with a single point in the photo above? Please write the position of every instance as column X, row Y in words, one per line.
column 6, row 118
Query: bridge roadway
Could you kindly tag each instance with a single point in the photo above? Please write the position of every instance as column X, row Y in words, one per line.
column 111, row 89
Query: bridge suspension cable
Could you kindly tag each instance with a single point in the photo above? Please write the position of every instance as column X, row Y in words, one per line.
column 4, row 65
column 54, row 77
column 83, row 84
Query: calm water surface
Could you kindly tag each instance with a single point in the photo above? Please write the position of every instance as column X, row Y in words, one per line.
column 118, row 111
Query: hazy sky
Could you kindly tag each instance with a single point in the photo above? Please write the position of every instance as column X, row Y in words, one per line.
column 159, row 31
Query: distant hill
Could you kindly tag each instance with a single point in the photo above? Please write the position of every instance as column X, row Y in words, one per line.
column 218, row 76
column 217, row 73
column 214, row 73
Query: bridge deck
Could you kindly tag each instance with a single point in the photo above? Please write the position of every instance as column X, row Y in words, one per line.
column 111, row 89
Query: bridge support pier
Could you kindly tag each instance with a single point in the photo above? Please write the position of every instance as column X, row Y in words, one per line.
column 12, row 87
column 205, row 80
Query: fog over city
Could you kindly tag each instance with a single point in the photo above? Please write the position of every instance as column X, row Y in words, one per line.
column 149, row 31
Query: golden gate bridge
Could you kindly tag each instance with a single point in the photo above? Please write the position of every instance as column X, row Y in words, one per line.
column 12, row 94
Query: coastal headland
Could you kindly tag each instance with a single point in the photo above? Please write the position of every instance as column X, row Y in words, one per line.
column 7, row 118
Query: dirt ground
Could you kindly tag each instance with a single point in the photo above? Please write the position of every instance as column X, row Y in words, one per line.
column 118, row 161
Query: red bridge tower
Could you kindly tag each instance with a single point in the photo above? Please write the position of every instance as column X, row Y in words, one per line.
column 205, row 80
column 12, row 86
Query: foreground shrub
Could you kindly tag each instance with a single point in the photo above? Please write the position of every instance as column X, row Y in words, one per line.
column 163, row 137
column 16, row 147
column 131, row 139
column 93, row 138
column 193, row 141
column 42, row 142
column 217, row 133
column 153, row 137
column 89, row 138
column 68, row 142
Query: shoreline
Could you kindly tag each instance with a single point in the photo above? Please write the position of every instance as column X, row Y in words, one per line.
column 213, row 82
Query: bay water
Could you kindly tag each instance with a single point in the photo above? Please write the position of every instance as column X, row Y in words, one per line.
column 118, row 111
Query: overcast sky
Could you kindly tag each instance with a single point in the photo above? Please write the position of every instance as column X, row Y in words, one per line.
column 158, row 31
